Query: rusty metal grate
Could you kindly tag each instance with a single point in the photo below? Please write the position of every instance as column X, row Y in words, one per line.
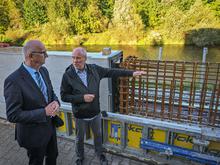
column 172, row 90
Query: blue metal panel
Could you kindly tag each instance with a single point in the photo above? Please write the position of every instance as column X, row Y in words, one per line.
column 174, row 150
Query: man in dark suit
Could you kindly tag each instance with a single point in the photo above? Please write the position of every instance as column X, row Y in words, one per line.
column 32, row 104
column 80, row 87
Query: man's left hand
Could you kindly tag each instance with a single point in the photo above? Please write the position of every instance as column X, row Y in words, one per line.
column 55, row 107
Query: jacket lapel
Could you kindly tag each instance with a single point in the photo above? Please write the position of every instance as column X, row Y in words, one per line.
column 30, row 81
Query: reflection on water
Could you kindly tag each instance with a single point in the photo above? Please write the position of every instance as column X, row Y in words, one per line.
column 170, row 52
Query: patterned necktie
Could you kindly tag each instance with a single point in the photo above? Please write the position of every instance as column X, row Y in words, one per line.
column 41, row 85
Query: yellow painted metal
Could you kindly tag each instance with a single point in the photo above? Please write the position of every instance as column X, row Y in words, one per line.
column 134, row 133
column 214, row 147
column 114, row 132
column 157, row 135
column 183, row 140
column 62, row 128
column 73, row 126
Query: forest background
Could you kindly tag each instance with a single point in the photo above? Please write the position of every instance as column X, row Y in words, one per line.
column 111, row 22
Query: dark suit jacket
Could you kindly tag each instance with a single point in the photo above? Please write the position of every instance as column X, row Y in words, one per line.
column 25, row 105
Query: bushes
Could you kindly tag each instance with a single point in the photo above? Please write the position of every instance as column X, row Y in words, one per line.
column 17, row 37
column 56, row 32
column 4, row 39
column 203, row 37
column 177, row 24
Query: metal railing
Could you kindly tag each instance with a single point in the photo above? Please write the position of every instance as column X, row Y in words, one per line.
column 172, row 90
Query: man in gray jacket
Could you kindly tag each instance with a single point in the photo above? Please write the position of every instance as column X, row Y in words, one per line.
column 80, row 87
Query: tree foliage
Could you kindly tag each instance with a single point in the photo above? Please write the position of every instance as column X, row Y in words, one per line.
column 85, row 17
column 214, row 5
column 150, row 11
column 106, row 7
column 110, row 21
column 184, row 4
column 35, row 12
column 4, row 19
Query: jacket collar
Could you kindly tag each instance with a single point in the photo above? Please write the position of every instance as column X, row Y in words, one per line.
column 71, row 71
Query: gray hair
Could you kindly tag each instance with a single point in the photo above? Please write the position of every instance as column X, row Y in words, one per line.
column 30, row 45
column 80, row 51
column 26, row 49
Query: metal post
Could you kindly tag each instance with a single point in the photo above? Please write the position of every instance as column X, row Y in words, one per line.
column 68, row 120
column 123, row 136
column 205, row 52
column 203, row 68
column 160, row 53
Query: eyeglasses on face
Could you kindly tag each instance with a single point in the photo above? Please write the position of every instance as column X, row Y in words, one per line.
column 44, row 53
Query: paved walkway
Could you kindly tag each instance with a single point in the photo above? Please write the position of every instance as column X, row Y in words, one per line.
column 12, row 154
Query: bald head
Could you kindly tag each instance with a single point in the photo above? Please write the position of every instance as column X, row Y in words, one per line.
column 34, row 54
column 79, row 56
column 79, row 51
column 33, row 46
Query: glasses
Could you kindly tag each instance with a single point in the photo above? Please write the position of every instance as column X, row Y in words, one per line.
column 44, row 53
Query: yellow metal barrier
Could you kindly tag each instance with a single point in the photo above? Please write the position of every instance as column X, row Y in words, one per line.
column 124, row 135
column 62, row 128
column 183, row 140
column 214, row 148
column 134, row 135
column 157, row 135
column 114, row 132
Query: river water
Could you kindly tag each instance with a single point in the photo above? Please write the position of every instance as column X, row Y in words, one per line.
column 169, row 52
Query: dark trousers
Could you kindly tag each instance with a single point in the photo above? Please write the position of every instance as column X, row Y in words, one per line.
column 95, row 125
column 50, row 152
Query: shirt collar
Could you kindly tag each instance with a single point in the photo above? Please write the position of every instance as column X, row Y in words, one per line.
column 80, row 71
column 29, row 69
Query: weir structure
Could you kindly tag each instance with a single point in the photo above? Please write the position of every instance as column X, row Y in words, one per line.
column 172, row 110
column 169, row 115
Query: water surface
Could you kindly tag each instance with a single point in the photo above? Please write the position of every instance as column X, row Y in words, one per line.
column 170, row 52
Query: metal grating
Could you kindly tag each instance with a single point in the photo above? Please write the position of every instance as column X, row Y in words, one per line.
column 172, row 90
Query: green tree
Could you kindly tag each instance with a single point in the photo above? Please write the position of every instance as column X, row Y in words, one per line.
column 126, row 17
column 184, row 4
column 20, row 6
column 4, row 13
column 150, row 11
column 59, row 9
column 214, row 5
column 85, row 17
column 35, row 12
column 106, row 7
column 15, row 16
column 177, row 23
